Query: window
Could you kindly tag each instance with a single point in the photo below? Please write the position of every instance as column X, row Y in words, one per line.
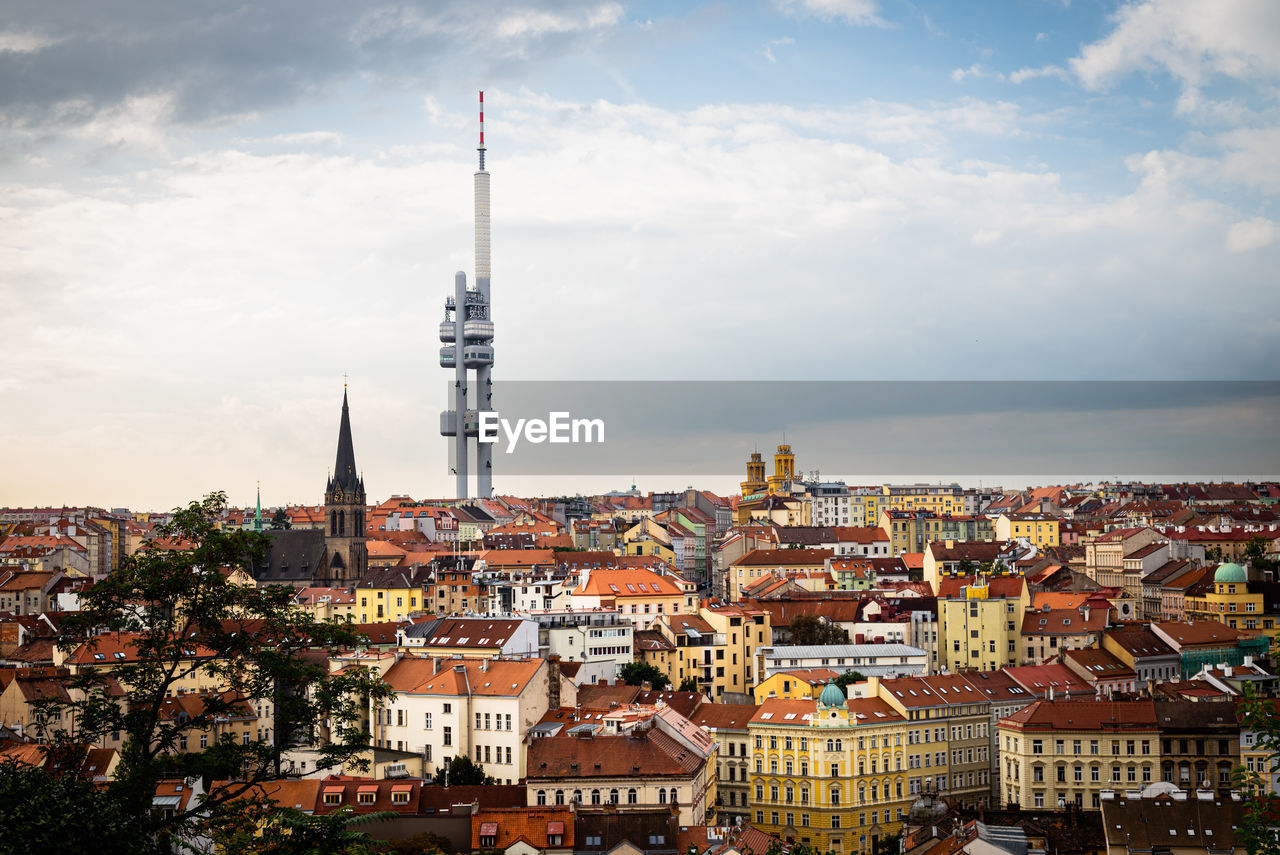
column 365, row 798
column 631, row 796
column 448, row 735
column 542, row 797
column 333, row 798
column 427, row 721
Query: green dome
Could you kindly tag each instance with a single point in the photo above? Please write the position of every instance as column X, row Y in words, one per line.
column 832, row 696
column 1229, row 573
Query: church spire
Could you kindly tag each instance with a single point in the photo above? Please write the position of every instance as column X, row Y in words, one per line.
column 257, row 514
column 345, row 475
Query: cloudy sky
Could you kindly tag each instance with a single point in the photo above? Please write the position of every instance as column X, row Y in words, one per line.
column 210, row 212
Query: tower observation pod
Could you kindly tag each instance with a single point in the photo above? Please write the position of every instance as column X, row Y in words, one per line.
column 467, row 334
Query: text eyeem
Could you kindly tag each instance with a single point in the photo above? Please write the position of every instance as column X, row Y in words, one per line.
column 558, row 427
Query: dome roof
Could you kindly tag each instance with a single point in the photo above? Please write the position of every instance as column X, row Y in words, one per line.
column 832, row 696
column 1229, row 573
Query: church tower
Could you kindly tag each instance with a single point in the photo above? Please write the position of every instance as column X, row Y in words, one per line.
column 345, row 560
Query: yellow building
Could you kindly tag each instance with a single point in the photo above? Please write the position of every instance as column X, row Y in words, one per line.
column 715, row 647
column 940, row 498
column 829, row 772
column 948, row 735
column 390, row 594
column 784, row 468
column 799, row 685
column 327, row 604
column 760, row 563
column 1230, row 601
column 640, row 595
column 980, row 622
column 755, row 482
column 647, row 538
column 1040, row 530
column 1068, row 752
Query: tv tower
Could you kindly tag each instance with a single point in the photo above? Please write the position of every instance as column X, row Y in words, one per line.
column 467, row 325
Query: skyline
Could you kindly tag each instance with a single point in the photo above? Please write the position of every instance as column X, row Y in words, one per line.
column 200, row 241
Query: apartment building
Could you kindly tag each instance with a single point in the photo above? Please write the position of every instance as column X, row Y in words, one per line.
column 980, row 621
column 830, row 772
column 1058, row 753
column 479, row 707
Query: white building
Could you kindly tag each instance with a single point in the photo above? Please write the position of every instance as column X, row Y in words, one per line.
column 870, row 660
column 601, row 639
column 510, row 637
column 479, row 707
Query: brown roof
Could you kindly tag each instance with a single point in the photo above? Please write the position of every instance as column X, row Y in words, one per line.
column 534, row 825
column 784, row 557
column 1209, row 632
column 724, row 716
column 1084, row 715
column 647, row 753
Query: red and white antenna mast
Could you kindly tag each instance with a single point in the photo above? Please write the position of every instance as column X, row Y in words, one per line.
column 481, row 148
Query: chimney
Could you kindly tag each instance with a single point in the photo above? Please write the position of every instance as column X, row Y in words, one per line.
column 553, row 682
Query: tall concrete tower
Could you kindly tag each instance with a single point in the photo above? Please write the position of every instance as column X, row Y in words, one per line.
column 468, row 326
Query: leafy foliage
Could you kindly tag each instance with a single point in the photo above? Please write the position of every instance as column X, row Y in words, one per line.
column 260, row 827
column 688, row 684
column 636, row 673
column 280, row 521
column 811, row 629
column 463, row 772
column 1258, row 831
column 43, row 812
column 1256, row 551
column 849, row 677
column 175, row 608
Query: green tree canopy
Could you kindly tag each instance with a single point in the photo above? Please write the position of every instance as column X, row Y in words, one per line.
column 172, row 609
column 688, row 684
column 636, row 673
column 280, row 521
column 463, row 772
column 1258, row 832
column 811, row 629
column 849, row 677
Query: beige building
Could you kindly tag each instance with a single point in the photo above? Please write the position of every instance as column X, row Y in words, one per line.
column 1056, row 753
column 715, row 647
column 482, row 708
column 658, row 758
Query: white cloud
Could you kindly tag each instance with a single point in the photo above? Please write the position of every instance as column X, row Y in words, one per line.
column 1022, row 75
column 13, row 41
column 269, row 274
column 858, row 12
column 1193, row 41
column 767, row 53
column 1250, row 234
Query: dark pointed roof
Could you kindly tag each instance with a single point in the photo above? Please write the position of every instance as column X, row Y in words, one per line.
column 345, row 474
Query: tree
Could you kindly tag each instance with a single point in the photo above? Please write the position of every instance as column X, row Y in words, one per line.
column 1256, row 551
column 965, row 567
column 259, row 826
column 1258, row 830
column 463, row 772
column 811, row 629
column 175, row 611
column 280, row 521
column 44, row 812
column 849, row 677
column 637, row 673
column 426, row 843
column 688, row 684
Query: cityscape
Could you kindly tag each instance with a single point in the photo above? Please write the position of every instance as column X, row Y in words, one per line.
column 639, row 582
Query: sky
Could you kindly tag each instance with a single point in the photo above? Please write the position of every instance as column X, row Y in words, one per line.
column 211, row 215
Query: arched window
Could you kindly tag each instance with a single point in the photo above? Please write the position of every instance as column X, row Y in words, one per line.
column 631, row 796
column 839, row 745
column 595, row 797
column 559, row 797
column 673, row 795
column 577, row 797
column 342, row 523
column 333, row 523
column 613, row 797
column 542, row 797
column 662, row 796
column 831, row 745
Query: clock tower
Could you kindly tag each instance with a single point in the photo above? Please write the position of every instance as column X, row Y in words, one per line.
column 346, row 559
